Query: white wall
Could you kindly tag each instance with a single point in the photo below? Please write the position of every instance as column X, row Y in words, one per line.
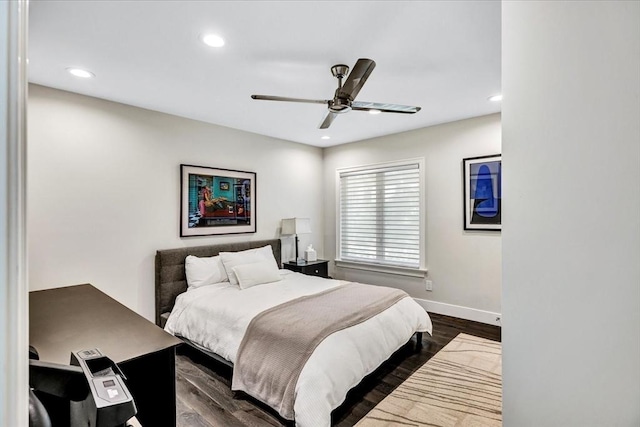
column 6, row 317
column 465, row 266
column 571, row 223
column 14, row 307
column 104, row 188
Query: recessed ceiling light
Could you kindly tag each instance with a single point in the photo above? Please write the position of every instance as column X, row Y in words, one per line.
column 326, row 137
column 213, row 40
column 375, row 111
column 495, row 98
column 78, row 72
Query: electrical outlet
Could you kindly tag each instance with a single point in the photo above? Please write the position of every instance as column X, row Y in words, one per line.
column 428, row 285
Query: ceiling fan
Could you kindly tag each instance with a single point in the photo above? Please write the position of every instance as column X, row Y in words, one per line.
column 343, row 99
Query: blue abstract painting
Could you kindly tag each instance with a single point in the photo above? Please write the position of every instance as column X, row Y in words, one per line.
column 482, row 193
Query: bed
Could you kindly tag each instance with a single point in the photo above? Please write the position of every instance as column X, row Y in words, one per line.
column 219, row 321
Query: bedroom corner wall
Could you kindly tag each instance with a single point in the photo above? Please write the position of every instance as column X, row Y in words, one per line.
column 104, row 188
column 571, row 224
column 14, row 304
column 465, row 266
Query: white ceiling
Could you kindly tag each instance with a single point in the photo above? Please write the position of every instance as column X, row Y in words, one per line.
column 443, row 56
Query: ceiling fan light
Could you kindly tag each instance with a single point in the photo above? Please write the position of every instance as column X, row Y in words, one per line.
column 79, row 72
column 213, row 40
column 495, row 98
column 374, row 112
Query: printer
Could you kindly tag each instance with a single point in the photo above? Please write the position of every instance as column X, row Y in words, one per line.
column 90, row 392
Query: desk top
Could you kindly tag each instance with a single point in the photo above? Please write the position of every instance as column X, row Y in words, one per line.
column 81, row 317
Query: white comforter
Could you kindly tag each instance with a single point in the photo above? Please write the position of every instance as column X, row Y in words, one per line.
column 216, row 318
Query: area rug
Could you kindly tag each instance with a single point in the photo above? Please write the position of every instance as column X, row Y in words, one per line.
column 460, row 386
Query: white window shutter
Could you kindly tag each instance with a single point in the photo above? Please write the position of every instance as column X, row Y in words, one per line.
column 380, row 215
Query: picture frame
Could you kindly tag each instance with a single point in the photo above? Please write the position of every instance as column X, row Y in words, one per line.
column 216, row 201
column 482, row 192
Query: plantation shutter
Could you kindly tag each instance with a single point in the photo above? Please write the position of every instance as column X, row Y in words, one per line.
column 380, row 216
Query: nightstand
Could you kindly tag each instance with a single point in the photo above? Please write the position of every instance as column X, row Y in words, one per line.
column 312, row 268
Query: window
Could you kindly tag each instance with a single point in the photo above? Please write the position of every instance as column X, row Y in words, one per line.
column 380, row 215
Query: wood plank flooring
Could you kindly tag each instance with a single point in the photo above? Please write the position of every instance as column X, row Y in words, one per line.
column 205, row 399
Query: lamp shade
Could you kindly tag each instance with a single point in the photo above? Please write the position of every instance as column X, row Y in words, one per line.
column 292, row 226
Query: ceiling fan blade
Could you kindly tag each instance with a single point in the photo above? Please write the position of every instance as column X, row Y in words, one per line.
column 357, row 78
column 385, row 108
column 329, row 118
column 286, row 99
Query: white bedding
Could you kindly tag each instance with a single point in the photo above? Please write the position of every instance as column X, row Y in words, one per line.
column 216, row 318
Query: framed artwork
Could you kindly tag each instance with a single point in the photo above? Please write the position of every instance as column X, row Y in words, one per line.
column 482, row 178
column 216, row 201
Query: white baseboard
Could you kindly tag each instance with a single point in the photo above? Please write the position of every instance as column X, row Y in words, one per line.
column 461, row 312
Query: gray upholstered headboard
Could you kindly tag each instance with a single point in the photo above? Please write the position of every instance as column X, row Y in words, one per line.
column 170, row 276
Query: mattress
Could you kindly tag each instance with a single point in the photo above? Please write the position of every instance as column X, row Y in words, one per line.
column 216, row 318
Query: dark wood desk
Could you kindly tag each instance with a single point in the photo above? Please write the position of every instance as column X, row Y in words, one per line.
column 81, row 317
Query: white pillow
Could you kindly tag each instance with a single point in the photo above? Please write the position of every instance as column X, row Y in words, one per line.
column 204, row 271
column 258, row 273
column 250, row 256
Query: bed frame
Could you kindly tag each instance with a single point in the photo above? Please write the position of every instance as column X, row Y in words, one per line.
column 171, row 280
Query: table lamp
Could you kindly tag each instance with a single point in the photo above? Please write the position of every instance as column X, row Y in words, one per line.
column 295, row 226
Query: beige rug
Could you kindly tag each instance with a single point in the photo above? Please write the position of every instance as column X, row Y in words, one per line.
column 460, row 386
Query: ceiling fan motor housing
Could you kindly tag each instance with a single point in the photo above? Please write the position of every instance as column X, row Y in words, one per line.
column 340, row 105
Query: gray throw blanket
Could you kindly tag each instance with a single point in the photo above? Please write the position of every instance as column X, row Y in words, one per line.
column 279, row 341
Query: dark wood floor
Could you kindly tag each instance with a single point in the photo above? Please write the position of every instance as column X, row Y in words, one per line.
column 205, row 399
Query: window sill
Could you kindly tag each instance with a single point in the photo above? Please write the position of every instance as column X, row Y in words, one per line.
column 379, row 268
